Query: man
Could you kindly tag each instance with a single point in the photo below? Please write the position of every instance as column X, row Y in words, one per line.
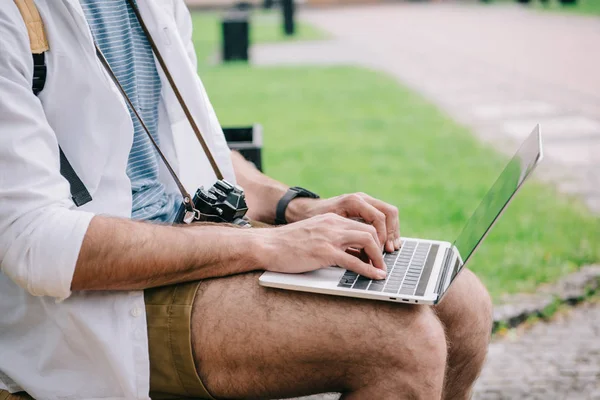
column 109, row 300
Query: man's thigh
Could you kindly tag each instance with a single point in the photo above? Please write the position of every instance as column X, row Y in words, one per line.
column 251, row 341
column 5, row 395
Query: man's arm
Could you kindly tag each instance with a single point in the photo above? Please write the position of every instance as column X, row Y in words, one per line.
column 40, row 235
column 121, row 254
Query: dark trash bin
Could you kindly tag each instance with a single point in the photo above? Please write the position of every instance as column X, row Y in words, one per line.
column 288, row 7
column 236, row 36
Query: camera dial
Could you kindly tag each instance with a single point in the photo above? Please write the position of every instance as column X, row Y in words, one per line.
column 207, row 196
column 220, row 195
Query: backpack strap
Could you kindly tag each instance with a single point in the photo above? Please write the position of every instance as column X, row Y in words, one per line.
column 38, row 43
column 35, row 26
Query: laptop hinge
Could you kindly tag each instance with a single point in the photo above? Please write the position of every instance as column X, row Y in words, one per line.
column 448, row 255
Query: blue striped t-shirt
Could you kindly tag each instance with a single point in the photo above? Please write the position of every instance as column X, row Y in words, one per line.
column 122, row 41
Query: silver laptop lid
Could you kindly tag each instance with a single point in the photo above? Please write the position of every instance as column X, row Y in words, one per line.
column 497, row 198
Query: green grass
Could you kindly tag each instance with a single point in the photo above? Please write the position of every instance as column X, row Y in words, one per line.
column 587, row 7
column 344, row 129
column 265, row 27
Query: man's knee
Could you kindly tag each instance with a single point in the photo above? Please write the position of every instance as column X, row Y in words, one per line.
column 482, row 309
column 466, row 313
column 466, row 308
column 422, row 370
column 430, row 341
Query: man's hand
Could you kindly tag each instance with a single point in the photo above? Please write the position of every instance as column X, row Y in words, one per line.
column 383, row 216
column 321, row 242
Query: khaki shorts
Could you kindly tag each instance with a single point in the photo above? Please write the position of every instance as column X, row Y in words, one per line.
column 172, row 370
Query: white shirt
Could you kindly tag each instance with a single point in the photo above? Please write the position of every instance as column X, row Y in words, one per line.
column 55, row 344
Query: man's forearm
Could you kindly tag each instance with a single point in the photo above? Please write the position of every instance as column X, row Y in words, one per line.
column 120, row 254
column 262, row 192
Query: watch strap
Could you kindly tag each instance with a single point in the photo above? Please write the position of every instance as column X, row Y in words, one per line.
column 290, row 195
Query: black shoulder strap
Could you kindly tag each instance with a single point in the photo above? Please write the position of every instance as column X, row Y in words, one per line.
column 79, row 192
column 39, row 72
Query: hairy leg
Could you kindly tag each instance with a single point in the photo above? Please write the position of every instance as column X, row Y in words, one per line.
column 253, row 342
column 466, row 313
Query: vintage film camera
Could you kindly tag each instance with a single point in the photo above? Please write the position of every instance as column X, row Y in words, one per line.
column 223, row 202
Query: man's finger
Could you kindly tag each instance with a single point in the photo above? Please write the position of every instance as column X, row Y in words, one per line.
column 356, row 206
column 354, row 225
column 364, row 241
column 354, row 264
column 392, row 221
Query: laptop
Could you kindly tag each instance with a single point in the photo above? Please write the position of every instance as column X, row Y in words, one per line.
column 422, row 270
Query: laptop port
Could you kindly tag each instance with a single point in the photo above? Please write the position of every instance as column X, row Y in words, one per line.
column 393, row 298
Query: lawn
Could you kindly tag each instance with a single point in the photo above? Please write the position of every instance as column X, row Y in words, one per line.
column 589, row 7
column 586, row 7
column 344, row 129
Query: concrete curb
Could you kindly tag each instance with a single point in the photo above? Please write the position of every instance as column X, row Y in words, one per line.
column 570, row 289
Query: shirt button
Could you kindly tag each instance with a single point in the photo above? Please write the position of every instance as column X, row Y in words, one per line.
column 138, row 334
column 136, row 312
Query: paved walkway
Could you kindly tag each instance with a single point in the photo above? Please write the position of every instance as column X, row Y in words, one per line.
column 499, row 70
column 557, row 360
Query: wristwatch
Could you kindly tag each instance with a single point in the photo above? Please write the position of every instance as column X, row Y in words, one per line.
column 290, row 195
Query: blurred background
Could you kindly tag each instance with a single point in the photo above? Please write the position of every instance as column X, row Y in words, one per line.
column 420, row 103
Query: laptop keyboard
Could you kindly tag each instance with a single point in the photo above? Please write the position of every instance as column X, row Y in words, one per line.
column 405, row 268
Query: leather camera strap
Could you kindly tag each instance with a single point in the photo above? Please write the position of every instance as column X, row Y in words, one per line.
column 187, row 199
column 184, row 106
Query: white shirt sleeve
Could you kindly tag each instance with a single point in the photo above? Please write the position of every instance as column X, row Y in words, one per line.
column 40, row 230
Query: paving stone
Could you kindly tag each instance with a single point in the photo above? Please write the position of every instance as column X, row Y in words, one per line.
column 561, row 362
column 594, row 395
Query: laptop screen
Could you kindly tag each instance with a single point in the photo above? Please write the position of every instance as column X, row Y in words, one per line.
column 496, row 199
